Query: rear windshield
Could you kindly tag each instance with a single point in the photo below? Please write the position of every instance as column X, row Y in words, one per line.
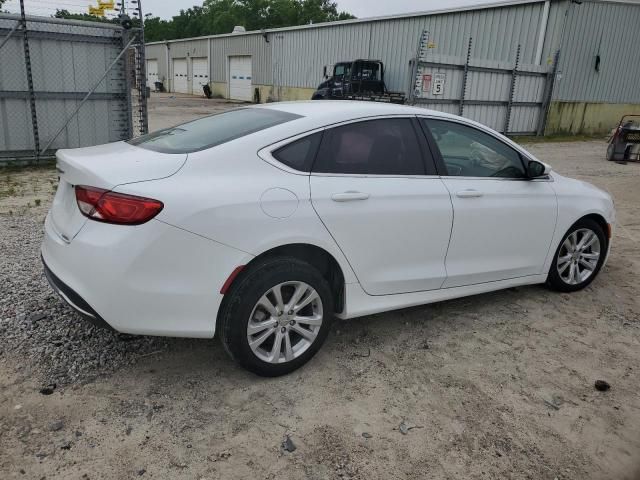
column 210, row 131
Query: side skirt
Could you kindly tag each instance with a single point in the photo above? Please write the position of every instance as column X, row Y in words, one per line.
column 358, row 303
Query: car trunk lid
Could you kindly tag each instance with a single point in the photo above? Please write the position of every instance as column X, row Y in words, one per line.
column 103, row 166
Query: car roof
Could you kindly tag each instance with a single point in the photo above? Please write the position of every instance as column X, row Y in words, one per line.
column 322, row 113
column 343, row 110
column 316, row 114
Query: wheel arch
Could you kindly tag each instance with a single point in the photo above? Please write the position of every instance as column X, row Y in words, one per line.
column 595, row 216
column 316, row 256
column 600, row 220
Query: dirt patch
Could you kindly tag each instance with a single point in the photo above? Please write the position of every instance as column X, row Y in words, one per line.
column 493, row 386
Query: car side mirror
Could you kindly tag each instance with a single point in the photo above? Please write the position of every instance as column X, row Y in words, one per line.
column 324, row 72
column 537, row 169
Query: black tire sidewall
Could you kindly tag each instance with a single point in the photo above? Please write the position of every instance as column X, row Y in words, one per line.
column 244, row 295
column 554, row 280
column 610, row 152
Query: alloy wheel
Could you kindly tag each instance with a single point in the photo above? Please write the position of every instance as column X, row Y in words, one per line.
column 285, row 322
column 579, row 256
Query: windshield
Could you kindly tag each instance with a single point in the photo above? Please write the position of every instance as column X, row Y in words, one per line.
column 210, row 131
column 367, row 71
column 341, row 70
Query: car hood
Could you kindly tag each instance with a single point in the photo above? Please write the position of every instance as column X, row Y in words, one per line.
column 580, row 186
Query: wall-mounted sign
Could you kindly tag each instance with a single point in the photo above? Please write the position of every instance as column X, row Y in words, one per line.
column 437, row 87
column 426, row 83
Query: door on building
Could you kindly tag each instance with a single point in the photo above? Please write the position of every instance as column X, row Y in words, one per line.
column 200, row 75
column 152, row 72
column 180, row 79
column 240, row 78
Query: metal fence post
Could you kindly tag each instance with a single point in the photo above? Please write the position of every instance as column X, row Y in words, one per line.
column 512, row 91
column 464, row 78
column 548, row 93
column 126, row 42
column 144, row 122
column 32, row 97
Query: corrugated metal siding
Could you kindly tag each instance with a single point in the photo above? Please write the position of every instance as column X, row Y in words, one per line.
column 613, row 31
column 496, row 34
column 554, row 31
column 192, row 48
column 299, row 55
column 294, row 58
column 159, row 52
column 254, row 45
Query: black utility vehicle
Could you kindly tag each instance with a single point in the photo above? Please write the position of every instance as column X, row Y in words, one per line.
column 357, row 80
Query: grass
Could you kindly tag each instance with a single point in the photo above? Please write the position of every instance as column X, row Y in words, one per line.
column 558, row 138
column 16, row 167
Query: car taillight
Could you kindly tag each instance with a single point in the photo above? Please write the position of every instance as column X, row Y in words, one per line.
column 119, row 208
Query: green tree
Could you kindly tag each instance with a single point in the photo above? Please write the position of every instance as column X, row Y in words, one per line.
column 82, row 16
column 220, row 16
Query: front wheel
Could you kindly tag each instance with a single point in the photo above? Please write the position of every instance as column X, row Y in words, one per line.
column 277, row 317
column 610, row 152
column 579, row 257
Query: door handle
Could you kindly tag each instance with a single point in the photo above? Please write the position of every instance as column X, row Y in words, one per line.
column 349, row 196
column 470, row 193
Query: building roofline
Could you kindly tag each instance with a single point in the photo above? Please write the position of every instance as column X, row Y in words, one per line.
column 486, row 6
column 60, row 21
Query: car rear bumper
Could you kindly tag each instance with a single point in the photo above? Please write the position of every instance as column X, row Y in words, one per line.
column 74, row 300
column 150, row 279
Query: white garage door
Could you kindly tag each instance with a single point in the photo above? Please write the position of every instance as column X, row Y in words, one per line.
column 240, row 78
column 200, row 74
column 180, row 84
column 152, row 73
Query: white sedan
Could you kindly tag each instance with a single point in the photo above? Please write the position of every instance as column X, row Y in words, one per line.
column 264, row 223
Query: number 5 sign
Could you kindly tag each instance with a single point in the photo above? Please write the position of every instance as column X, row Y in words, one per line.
column 437, row 85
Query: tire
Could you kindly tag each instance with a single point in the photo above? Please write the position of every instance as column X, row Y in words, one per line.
column 610, row 152
column 251, row 303
column 563, row 275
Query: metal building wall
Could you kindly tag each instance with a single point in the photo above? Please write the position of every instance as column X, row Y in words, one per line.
column 159, row 52
column 613, row 31
column 253, row 44
column 294, row 57
column 496, row 33
column 299, row 55
column 192, row 48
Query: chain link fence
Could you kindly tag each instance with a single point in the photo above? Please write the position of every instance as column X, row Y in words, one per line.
column 67, row 84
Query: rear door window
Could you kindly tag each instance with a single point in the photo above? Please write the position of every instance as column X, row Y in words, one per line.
column 210, row 131
column 375, row 147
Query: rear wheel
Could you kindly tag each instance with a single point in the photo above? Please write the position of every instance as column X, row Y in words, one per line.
column 579, row 257
column 610, row 152
column 277, row 317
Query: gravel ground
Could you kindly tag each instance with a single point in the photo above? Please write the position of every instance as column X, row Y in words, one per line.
column 43, row 331
column 493, row 386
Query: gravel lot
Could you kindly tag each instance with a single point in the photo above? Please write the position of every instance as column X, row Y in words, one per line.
column 493, row 386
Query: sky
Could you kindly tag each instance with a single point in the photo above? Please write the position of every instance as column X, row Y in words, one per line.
column 359, row 8
column 166, row 9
